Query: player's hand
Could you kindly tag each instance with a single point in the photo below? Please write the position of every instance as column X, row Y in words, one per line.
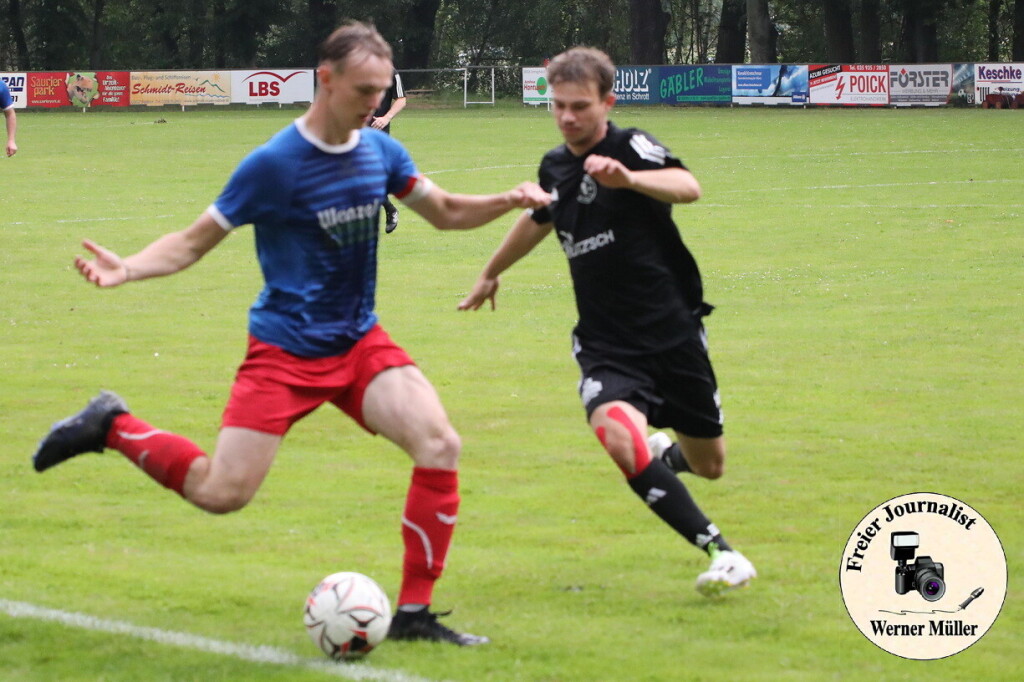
column 12, row 149
column 608, row 172
column 105, row 270
column 378, row 123
column 484, row 290
column 528, row 195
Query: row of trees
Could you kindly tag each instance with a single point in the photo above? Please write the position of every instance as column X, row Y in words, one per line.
column 157, row 34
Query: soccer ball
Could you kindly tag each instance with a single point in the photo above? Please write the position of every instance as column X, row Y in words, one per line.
column 347, row 615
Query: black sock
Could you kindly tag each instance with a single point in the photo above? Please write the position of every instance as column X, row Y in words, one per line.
column 667, row 497
column 674, row 455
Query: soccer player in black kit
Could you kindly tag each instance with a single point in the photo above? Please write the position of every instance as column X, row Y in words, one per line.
column 640, row 341
column 390, row 106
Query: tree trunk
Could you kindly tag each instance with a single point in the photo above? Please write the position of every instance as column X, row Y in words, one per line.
column 322, row 21
column 18, row 31
column 993, row 29
column 96, row 35
column 418, row 36
column 920, row 40
column 647, row 25
column 220, row 54
column 839, row 48
column 870, row 47
column 195, row 33
column 1017, row 53
column 759, row 30
column 732, row 33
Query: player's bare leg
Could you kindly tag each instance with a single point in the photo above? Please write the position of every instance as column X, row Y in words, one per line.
column 229, row 481
column 620, row 427
column 221, row 485
column 401, row 405
column 704, row 457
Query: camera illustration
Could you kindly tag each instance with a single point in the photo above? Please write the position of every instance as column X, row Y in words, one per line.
column 923, row 575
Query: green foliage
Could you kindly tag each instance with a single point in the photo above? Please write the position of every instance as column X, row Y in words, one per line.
column 866, row 268
column 156, row 34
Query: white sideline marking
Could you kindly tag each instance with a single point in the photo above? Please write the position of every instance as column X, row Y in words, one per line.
column 68, row 221
column 245, row 652
column 754, row 156
column 482, row 168
column 925, row 183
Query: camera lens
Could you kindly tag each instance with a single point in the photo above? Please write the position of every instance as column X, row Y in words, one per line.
column 930, row 585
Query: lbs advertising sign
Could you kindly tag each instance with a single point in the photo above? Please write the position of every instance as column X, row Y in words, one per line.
column 281, row 86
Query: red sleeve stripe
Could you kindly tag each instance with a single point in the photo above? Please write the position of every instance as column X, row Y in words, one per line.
column 416, row 188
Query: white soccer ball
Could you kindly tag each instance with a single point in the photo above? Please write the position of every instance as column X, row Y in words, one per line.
column 347, row 615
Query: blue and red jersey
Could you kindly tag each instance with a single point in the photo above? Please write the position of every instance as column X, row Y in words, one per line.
column 316, row 208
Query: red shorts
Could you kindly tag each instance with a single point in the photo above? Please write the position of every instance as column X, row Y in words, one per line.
column 274, row 389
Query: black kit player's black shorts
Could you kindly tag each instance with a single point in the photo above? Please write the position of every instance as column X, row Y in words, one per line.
column 675, row 388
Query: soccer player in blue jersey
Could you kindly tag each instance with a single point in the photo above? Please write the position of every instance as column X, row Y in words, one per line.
column 313, row 193
column 11, row 119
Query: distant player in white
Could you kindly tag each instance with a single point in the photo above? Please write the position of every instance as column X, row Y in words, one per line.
column 313, row 193
column 639, row 342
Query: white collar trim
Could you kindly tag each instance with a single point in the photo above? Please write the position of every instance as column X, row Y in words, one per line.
column 353, row 140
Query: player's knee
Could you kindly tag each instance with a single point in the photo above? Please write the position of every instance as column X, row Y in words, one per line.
column 222, row 501
column 440, row 450
column 619, row 446
column 710, row 469
column 709, row 465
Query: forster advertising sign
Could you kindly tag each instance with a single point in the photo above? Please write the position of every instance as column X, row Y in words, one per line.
column 850, row 84
column 281, row 86
column 920, row 84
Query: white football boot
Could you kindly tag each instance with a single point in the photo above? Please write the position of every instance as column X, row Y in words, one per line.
column 659, row 444
column 729, row 570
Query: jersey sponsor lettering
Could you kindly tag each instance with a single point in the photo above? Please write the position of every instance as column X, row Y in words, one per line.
column 573, row 249
column 350, row 225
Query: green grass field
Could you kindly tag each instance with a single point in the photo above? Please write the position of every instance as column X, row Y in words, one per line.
column 867, row 268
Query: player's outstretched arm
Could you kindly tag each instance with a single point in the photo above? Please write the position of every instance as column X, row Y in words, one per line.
column 671, row 185
column 169, row 254
column 520, row 240
column 12, row 127
column 465, row 211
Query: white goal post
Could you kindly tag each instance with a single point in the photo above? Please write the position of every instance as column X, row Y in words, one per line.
column 445, row 82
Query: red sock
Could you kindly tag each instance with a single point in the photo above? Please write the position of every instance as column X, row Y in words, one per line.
column 166, row 457
column 427, row 526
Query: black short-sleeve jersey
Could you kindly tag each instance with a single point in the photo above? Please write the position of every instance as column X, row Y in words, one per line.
column 638, row 288
column 396, row 91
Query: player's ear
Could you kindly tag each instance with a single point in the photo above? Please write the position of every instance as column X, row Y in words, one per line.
column 609, row 100
column 324, row 72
